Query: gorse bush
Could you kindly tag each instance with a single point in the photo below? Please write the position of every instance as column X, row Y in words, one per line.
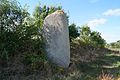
column 97, row 40
column 17, row 35
column 11, row 18
column 85, row 34
column 91, row 37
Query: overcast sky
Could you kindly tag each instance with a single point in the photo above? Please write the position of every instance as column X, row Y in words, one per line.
column 101, row 15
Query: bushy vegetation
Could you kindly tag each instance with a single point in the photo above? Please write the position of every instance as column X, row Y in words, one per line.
column 91, row 37
column 41, row 12
column 86, row 35
column 114, row 44
column 13, row 33
column 73, row 32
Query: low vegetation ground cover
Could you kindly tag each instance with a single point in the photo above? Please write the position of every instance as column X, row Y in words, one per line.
column 82, row 67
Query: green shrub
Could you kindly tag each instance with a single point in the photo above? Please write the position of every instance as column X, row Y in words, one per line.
column 11, row 18
column 17, row 35
column 91, row 37
column 73, row 32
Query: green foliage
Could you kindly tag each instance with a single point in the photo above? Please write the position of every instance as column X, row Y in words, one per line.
column 91, row 37
column 11, row 18
column 34, row 60
column 114, row 44
column 41, row 12
column 17, row 31
column 73, row 32
column 85, row 34
column 97, row 40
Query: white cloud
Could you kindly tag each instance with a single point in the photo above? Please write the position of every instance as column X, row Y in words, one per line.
column 112, row 12
column 110, row 37
column 96, row 22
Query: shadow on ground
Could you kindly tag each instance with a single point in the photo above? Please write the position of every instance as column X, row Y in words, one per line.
column 108, row 63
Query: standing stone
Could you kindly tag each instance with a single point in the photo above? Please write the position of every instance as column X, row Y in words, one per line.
column 56, row 34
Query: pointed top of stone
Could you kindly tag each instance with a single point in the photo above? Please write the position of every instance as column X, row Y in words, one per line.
column 58, row 12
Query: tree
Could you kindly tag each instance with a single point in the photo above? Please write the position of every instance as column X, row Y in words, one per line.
column 85, row 34
column 41, row 12
column 11, row 15
column 15, row 33
column 91, row 37
column 97, row 40
column 11, row 27
column 73, row 31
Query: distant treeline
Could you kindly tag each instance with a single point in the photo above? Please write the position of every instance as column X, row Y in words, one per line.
column 114, row 44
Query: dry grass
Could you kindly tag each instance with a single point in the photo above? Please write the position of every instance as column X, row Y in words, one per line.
column 118, row 79
column 105, row 76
